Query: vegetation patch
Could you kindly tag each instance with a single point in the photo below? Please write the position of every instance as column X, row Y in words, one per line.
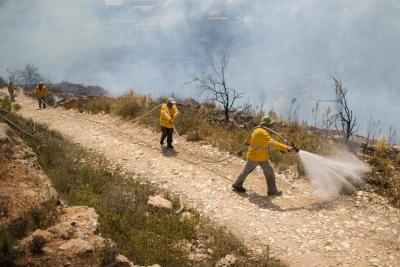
column 385, row 173
column 37, row 218
column 144, row 234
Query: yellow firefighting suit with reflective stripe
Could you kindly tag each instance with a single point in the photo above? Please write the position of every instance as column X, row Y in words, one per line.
column 259, row 142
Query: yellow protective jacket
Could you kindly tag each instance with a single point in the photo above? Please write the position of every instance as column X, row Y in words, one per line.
column 259, row 141
column 168, row 115
column 11, row 89
column 41, row 92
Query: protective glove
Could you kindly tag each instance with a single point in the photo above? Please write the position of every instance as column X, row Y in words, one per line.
column 293, row 148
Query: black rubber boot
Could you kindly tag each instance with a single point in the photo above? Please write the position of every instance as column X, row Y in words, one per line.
column 238, row 189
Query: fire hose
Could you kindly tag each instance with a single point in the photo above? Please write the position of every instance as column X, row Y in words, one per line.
column 201, row 158
column 284, row 140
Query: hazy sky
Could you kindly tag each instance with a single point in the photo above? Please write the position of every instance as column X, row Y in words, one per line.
column 279, row 49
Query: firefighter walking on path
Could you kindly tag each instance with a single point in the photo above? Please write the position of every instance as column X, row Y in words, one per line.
column 259, row 142
column 11, row 91
column 168, row 114
column 41, row 94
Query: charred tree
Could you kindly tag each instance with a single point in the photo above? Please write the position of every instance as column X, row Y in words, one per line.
column 345, row 120
column 214, row 84
column 30, row 76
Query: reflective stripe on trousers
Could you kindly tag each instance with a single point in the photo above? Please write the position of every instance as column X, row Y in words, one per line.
column 268, row 173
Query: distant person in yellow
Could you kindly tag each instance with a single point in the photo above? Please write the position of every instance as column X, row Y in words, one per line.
column 259, row 142
column 41, row 94
column 168, row 114
column 11, row 91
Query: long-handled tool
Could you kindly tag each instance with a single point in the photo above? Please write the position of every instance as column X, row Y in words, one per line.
column 284, row 140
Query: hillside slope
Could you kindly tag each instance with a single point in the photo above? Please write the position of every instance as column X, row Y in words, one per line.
column 33, row 220
column 352, row 230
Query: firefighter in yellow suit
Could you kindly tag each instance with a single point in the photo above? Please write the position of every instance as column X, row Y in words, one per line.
column 41, row 94
column 259, row 142
column 11, row 91
column 168, row 114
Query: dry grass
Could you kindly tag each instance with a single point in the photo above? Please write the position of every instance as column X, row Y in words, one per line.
column 385, row 173
column 4, row 166
column 196, row 124
column 144, row 234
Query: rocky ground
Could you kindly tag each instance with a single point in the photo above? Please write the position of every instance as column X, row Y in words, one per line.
column 74, row 239
column 359, row 230
column 22, row 184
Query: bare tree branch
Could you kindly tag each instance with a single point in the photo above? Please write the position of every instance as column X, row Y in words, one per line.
column 12, row 75
column 392, row 134
column 344, row 115
column 30, row 76
column 214, row 84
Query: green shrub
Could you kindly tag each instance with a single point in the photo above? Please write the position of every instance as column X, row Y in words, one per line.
column 19, row 227
column 5, row 103
column 36, row 244
column 8, row 252
column 16, row 107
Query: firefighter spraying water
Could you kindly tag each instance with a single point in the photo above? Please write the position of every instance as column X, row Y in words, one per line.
column 340, row 172
column 259, row 142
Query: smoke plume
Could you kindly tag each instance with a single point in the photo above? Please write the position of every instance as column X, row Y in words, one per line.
column 278, row 49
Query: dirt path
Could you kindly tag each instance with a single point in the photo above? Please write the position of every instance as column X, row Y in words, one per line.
column 349, row 231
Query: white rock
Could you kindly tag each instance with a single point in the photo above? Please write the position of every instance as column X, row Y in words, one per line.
column 184, row 246
column 345, row 244
column 77, row 246
column 197, row 257
column 123, row 261
column 160, row 202
column 228, row 260
column 374, row 260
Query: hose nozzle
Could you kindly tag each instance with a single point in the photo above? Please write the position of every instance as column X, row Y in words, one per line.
column 294, row 147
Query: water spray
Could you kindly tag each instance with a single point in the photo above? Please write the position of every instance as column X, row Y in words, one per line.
column 331, row 176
